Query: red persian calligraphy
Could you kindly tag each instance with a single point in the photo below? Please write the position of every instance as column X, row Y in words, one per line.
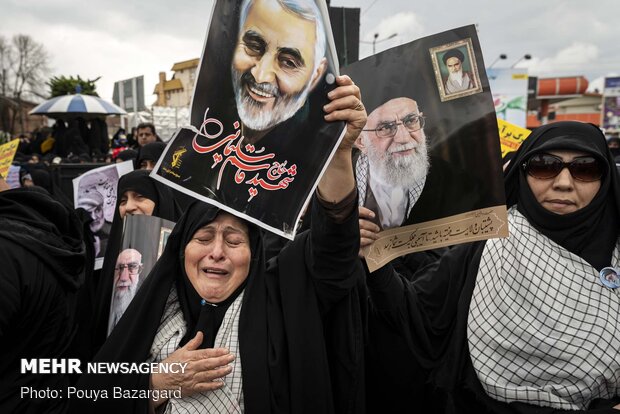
column 268, row 174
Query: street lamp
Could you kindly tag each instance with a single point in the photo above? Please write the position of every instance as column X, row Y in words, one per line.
column 375, row 41
column 500, row 57
column 524, row 57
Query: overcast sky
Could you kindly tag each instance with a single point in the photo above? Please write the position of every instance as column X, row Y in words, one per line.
column 118, row 39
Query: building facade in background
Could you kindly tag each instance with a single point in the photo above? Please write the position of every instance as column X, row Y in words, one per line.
column 564, row 98
column 129, row 94
column 177, row 92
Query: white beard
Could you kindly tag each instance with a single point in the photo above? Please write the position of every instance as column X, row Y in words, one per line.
column 120, row 302
column 401, row 171
column 253, row 114
column 457, row 77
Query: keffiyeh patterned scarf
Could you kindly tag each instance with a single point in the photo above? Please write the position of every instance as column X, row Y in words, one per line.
column 227, row 399
column 542, row 329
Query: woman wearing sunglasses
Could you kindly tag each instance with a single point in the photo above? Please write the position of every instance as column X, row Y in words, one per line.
column 529, row 323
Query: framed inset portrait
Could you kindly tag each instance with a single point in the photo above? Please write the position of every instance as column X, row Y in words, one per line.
column 456, row 70
column 163, row 239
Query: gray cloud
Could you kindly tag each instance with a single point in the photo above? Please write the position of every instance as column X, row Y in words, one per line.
column 118, row 39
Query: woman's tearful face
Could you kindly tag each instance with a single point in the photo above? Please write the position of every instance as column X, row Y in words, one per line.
column 217, row 258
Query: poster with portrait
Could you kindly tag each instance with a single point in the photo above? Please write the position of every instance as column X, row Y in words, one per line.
column 258, row 142
column 95, row 192
column 429, row 167
column 456, row 69
column 142, row 243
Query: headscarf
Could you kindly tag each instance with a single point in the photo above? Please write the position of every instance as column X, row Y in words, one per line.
column 41, row 178
column 132, row 338
column 166, row 207
column 532, row 301
column 127, row 155
column 615, row 152
column 151, row 151
column 31, row 218
column 200, row 315
column 140, row 182
column 285, row 340
column 590, row 232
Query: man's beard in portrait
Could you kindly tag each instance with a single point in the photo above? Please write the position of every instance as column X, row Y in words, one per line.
column 400, row 171
column 120, row 302
column 253, row 114
column 456, row 77
column 97, row 224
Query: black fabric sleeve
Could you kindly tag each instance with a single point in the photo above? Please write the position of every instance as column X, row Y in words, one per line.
column 408, row 265
column 331, row 255
column 431, row 313
column 341, row 210
column 425, row 309
column 9, row 291
column 36, row 321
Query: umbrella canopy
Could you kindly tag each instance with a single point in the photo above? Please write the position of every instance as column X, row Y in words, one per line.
column 76, row 105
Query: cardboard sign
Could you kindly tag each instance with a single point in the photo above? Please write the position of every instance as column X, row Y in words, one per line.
column 7, row 153
column 511, row 136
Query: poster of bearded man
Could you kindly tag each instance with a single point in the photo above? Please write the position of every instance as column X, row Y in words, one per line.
column 429, row 170
column 95, row 192
column 258, row 142
column 143, row 240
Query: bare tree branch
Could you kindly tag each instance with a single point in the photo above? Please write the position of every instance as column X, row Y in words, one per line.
column 31, row 64
column 6, row 62
column 23, row 72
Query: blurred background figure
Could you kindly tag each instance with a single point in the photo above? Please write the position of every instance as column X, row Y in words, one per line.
column 149, row 154
column 42, row 256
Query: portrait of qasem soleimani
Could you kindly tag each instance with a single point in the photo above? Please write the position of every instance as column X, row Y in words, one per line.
column 268, row 58
column 96, row 194
column 276, row 66
column 266, row 70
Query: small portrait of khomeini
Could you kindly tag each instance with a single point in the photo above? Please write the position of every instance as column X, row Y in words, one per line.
column 456, row 70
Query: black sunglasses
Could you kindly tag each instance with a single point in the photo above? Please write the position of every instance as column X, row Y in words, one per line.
column 547, row 166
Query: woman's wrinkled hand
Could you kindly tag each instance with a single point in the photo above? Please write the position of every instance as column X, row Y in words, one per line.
column 346, row 105
column 368, row 229
column 204, row 370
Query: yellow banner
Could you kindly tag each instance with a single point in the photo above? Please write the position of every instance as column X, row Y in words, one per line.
column 510, row 136
column 7, row 152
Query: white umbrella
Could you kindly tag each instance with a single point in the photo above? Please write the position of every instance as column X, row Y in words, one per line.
column 76, row 105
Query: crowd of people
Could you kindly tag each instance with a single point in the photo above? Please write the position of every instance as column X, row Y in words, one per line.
column 83, row 142
column 523, row 324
